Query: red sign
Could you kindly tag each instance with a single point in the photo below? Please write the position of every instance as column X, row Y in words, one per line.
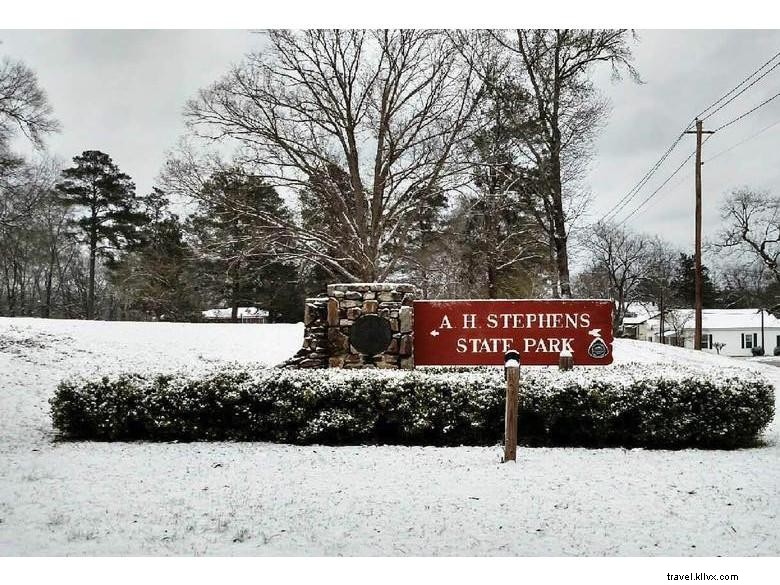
column 479, row 332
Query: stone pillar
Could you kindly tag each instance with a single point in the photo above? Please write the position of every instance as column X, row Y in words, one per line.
column 313, row 354
column 391, row 301
column 329, row 319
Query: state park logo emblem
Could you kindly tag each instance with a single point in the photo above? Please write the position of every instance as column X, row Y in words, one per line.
column 597, row 348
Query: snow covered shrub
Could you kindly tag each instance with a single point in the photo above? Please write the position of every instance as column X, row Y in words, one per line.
column 632, row 405
column 105, row 408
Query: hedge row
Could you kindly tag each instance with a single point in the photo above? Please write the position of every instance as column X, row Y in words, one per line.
column 632, row 405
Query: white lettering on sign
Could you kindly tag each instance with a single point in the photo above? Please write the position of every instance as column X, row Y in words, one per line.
column 482, row 345
column 523, row 321
column 471, row 332
column 552, row 345
column 518, row 321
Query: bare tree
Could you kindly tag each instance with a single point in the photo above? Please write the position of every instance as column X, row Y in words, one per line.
column 23, row 185
column 679, row 320
column 364, row 124
column 658, row 284
column 24, row 106
column 620, row 256
column 568, row 109
column 745, row 284
column 752, row 227
column 34, row 244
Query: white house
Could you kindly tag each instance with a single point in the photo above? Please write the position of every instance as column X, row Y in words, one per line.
column 245, row 315
column 739, row 330
column 637, row 319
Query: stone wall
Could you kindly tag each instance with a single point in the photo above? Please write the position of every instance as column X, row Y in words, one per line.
column 314, row 352
column 329, row 319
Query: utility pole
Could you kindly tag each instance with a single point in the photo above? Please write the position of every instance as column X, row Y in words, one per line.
column 697, row 249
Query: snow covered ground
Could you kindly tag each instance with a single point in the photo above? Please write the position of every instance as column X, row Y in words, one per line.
column 265, row 499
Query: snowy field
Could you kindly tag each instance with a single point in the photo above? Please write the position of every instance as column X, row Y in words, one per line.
column 265, row 499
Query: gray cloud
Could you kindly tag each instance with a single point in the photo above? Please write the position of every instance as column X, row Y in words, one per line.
column 684, row 72
column 123, row 92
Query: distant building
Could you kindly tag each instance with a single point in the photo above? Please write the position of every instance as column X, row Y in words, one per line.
column 245, row 315
column 739, row 330
column 635, row 320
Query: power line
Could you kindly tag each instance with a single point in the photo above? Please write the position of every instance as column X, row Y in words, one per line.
column 721, row 153
column 724, row 104
column 623, row 202
column 704, row 112
column 743, row 141
column 725, row 151
column 628, row 197
column 662, row 185
column 649, row 197
column 750, row 111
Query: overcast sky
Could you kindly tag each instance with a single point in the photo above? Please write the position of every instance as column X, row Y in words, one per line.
column 122, row 92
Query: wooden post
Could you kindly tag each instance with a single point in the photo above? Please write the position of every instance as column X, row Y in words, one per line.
column 697, row 248
column 565, row 361
column 512, row 373
column 697, row 300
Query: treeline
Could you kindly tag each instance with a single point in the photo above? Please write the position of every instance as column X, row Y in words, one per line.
column 633, row 268
column 88, row 246
column 447, row 158
column 450, row 159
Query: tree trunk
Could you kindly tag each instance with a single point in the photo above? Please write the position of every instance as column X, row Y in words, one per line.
column 559, row 216
column 491, row 277
column 49, row 282
column 621, row 313
column 562, row 265
column 111, row 308
column 555, row 290
column 46, row 313
column 91, row 293
column 12, row 292
column 368, row 272
column 234, row 301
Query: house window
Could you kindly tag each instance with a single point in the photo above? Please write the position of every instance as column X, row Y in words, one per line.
column 706, row 341
column 749, row 340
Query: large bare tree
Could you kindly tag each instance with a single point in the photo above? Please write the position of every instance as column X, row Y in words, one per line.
column 557, row 66
column 363, row 124
column 751, row 221
column 25, row 109
column 24, row 106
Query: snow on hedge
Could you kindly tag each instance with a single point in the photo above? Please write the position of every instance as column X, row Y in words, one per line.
column 628, row 405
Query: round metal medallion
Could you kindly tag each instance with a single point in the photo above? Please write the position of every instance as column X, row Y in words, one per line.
column 370, row 334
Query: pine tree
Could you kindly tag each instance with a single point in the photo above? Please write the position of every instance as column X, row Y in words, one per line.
column 495, row 224
column 238, row 248
column 685, row 284
column 156, row 278
column 106, row 210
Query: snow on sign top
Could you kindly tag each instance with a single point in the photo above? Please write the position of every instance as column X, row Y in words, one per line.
column 479, row 332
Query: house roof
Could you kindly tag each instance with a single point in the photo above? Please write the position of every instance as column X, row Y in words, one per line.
column 637, row 313
column 728, row 319
column 243, row 312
